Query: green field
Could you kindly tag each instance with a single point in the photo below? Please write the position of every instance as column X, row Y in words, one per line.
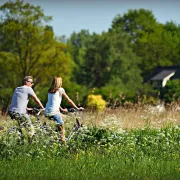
column 95, row 151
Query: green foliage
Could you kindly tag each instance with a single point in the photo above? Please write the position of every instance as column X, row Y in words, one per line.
column 78, row 44
column 93, row 152
column 114, row 62
column 105, row 58
column 78, row 94
column 42, row 94
column 5, row 98
column 91, row 165
column 109, row 60
column 171, row 92
column 29, row 48
column 145, row 141
column 134, row 22
column 156, row 44
column 31, row 45
column 173, row 33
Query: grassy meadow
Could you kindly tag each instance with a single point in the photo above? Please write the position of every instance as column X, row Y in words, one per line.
column 122, row 143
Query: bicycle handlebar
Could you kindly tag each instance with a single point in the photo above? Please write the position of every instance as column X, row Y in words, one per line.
column 35, row 110
column 72, row 110
column 38, row 110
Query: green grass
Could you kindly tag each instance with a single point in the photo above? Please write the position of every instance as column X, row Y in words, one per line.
column 93, row 153
column 92, row 166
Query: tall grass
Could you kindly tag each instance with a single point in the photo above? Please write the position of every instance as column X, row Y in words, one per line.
column 91, row 165
column 123, row 143
column 129, row 118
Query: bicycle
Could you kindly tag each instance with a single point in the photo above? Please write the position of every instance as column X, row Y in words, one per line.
column 43, row 131
column 77, row 125
column 54, row 131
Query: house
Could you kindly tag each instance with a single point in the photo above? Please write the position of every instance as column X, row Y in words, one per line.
column 161, row 75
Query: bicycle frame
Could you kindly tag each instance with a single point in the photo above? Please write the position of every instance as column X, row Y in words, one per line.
column 75, row 128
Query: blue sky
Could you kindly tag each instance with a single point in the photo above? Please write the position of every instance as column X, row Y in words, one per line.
column 97, row 15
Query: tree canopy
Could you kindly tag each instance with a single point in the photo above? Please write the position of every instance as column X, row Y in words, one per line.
column 111, row 63
column 155, row 43
column 28, row 46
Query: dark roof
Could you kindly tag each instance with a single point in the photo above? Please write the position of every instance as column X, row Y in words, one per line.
column 162, row 74
column 161, row 71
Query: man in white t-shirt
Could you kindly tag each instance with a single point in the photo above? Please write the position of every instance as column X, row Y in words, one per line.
column 18, row 107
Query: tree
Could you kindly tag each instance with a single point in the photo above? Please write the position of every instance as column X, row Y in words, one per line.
column 97, row 61
column 111, row 65
column 78, row 44
column 173, row 32
column 154, row 49
column 153, row 42
column 28, row 46
column 134, row 22
column 171, row 91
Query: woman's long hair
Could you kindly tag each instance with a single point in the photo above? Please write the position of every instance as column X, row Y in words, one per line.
column 55, row 84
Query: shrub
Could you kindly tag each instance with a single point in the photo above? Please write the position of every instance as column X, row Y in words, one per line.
column 171, row 91
column 96, row 102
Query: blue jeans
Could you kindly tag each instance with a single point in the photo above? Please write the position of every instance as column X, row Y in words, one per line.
column 57, row 118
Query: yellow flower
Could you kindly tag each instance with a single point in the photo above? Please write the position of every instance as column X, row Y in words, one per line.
column 96, row 102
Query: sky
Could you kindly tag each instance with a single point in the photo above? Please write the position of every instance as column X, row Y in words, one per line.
column 96, row 15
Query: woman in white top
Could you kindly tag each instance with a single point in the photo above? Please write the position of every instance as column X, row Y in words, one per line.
column 53, row 106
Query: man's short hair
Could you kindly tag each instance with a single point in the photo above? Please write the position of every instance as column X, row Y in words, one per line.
column 26, row 78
